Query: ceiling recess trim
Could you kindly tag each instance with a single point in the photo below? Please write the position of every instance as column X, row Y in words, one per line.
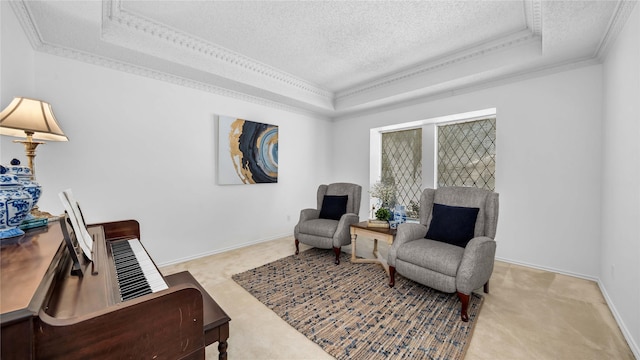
column 472, row 52
column 38, row 44
column 28, row 25
column 617, row 22
column 113, row 10
column 533, row 15
column 481, row 85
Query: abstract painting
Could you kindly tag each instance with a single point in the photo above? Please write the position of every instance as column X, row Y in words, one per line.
column 247, row 152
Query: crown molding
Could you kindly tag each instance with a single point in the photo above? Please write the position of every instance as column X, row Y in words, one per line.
column 616, row 24
column 26, row 21
column 480, row 85
column 166, row 77
column 471, row 53
column 269, row 99
column 533, row 15
column 113, row 11
column 33, row 34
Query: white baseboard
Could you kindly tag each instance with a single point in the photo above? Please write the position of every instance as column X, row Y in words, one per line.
column 218, row 251
column 545, row 268
column 625, row 331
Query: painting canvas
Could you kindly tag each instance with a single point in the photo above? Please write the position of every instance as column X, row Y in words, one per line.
column 247, row 152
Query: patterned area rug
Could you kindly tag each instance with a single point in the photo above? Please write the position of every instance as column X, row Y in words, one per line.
column 352, row 313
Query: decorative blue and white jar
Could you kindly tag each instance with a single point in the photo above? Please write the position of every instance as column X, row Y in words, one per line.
column 15, row 204
column 24, row 175
column 399, row 214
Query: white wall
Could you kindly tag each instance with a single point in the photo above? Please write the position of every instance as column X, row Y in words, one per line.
column 620, row 246
column 548, row 163
column 17, row 58
column 146, row 149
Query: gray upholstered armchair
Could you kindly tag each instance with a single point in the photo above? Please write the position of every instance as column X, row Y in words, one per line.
column 327, row 227
column 452, row 249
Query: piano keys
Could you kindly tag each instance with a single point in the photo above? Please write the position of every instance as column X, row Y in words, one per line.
column 137, row 275
column 49, row 313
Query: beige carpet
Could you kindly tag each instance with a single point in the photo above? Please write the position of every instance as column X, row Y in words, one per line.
column 350, row 311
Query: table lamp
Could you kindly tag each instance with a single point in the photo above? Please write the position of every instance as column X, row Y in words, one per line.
column 33, row 120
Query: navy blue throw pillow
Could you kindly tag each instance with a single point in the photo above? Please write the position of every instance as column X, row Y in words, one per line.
column 333, row 206
column 452, row 224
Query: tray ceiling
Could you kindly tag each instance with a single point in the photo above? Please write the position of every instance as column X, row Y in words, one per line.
column 327, row 57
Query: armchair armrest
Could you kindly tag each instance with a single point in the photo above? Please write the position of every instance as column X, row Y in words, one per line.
column 308, row 214
column 477, row 264
column 347, row 219
column 343, row 232
column 305, row 215
column 406, row 232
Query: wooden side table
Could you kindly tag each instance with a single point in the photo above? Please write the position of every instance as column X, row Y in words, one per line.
column 374, row 233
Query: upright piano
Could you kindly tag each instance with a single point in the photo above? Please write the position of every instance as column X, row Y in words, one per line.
column 52, row 310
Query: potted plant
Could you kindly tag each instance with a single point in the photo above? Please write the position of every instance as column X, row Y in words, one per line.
column 383, row 214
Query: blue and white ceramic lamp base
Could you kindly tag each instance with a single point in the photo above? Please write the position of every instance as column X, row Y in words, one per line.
column 18, row 195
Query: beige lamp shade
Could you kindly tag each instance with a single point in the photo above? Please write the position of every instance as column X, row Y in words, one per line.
column 26, row 115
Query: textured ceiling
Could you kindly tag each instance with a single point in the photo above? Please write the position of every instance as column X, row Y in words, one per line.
column 327, row 57
column 339, row 44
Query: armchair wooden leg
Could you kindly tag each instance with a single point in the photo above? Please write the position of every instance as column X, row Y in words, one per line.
column 464, row 299
column 297, row 248
column 336, row 250
column 392, row 276
column 486, row 287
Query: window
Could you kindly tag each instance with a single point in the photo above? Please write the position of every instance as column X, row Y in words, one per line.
column 452, row 150
column 402, row 167
column 467, row 154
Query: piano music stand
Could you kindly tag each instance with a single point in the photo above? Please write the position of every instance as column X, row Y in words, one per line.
column 78, row 258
